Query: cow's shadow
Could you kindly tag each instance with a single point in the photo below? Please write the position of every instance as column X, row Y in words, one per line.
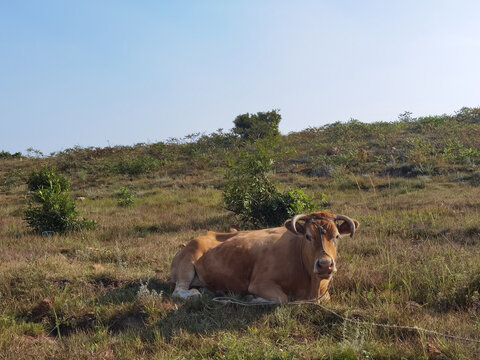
column 197, row 316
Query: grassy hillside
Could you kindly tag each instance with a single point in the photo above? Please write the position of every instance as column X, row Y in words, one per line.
column 413, row 184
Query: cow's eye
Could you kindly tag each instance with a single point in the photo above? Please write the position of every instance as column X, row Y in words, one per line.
column 335, row 241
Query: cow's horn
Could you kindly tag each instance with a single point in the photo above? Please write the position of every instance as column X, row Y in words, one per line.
column 349, row 222
column 295, row 219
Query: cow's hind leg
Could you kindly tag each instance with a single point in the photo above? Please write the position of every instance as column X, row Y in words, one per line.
column 182, row 285
column 182, row 274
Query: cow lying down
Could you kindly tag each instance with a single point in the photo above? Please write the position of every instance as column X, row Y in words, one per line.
column 293, row 262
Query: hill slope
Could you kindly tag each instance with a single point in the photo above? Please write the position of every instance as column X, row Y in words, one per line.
column 412, row 184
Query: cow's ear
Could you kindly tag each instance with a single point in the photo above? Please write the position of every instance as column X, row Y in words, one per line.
column 344, row 229
column 298, row 226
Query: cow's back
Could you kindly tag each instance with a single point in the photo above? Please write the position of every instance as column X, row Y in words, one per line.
column 230, row 265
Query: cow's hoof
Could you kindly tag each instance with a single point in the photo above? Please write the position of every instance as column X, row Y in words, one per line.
column 260, row 300
column 204, row 290
column 248, row 298
column 186, row 294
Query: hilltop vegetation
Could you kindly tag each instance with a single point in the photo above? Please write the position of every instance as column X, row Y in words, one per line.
column 413, row 184
column 409, row 147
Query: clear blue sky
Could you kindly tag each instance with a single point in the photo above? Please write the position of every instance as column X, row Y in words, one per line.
column 93, row 73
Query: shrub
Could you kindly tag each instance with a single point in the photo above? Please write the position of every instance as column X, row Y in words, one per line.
column 47, row 177
column 50, row 206
column 252, row 196
column 157, row 150
column 257, row 126
column 468, row 115
column 135, row 165
column 12, row 177
column 7, row 155
column 125, row 197
column 474, row 179
column 458, row 153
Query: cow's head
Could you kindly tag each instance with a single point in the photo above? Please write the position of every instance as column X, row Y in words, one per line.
column 321, row 232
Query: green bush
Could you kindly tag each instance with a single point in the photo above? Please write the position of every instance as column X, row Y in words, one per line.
column 7, row 155
column 474, row 179
column 254, row 198
column 257, row 126
column 125, row 197
column 47, row 177
column 134, row 165
column 458, row 153
column 50, row 207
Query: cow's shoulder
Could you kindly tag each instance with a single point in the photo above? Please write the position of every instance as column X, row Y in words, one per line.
column 259, row 237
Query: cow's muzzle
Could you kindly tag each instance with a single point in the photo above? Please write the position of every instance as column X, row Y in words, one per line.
column 325, row 267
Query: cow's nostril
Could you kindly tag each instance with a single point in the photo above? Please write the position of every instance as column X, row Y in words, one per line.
column 325, row 265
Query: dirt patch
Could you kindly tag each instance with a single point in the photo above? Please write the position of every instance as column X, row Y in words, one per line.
column 105, row 281
column 67, row 326
column 129, row 321
column 41, row 310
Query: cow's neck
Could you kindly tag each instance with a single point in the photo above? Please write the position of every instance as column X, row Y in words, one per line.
column 318, row 287
column 307, row 259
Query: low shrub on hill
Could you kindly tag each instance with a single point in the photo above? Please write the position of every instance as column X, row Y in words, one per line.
column 47, row 177
column 134, row 165
column 254, row 198
column 125, row 197
column 50, row 207
column 257, row 126
column 8, row 155
column 474, row 179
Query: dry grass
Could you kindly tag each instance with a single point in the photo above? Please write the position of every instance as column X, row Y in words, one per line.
column 414, row 261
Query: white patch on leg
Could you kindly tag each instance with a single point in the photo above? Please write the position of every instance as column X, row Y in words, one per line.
column 182, row 293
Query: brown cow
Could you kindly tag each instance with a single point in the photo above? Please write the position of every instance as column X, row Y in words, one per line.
column 294, row 262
